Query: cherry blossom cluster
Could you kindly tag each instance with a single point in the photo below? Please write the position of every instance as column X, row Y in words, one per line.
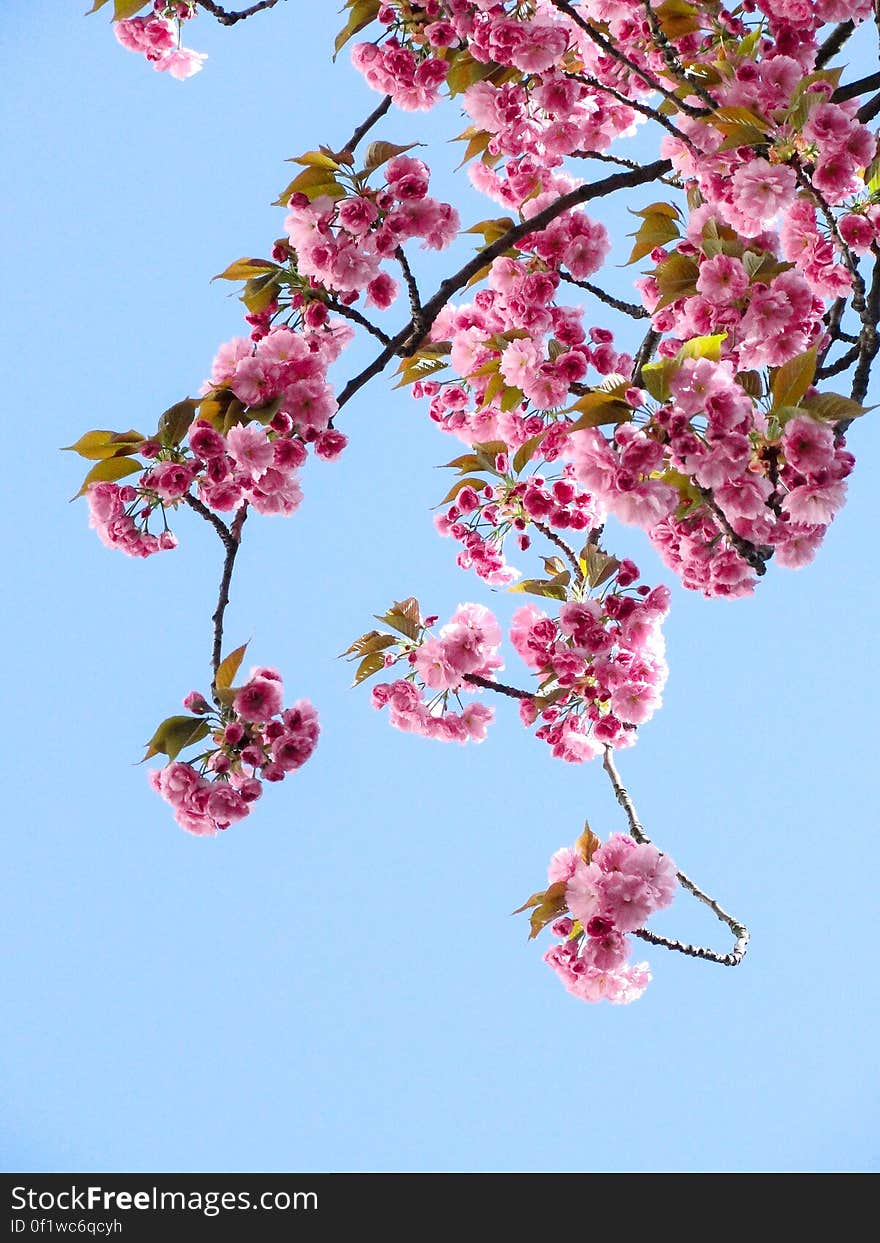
column 439, row 668
column 597, row 895
column 410, row 78
column 341, row 243
column 253, row 739
column 601, row 666
column 157, row 37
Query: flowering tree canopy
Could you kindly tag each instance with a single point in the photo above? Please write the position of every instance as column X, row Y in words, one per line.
column 719, row 426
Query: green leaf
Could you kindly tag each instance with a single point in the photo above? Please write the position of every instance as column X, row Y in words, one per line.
column 259, row 292
column 316, row 159
column 174, row 734
column 99, row 4
column 598, row 566
column 676, row 277
column 243, row 269
column 657, row 229
column 108, row 471
column 372, row 641
column 379, row 153
column 833, row 407
column 512, row 398
column 372, row 663
column 175, row 422
column 97, row 445
column 526, row 452
column 791, row 381
column 549, row 588
column 547, row 906
column 229, row 667
column 703, row 347
column 656, row 377
column 127, row 8
column 469, row 481
column 404, row 616
column 677, row 18
column 362, row 13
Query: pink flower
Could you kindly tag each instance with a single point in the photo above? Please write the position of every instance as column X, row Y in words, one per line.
column 761, row 190
column 811, row 504
column 808, row 445
column 259, row 699
column 250, row 448
column 722, row 279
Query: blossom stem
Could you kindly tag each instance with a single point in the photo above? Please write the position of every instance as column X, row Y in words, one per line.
column 365, row 126
column 223, row 597
column 740, row 932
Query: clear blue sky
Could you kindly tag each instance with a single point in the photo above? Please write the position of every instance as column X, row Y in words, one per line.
column 336, row 983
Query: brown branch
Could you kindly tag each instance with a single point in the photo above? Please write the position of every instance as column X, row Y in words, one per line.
column 869, row 110
column 415, row 300
column 230, row 537
column 560, row 543
column 755, row 555
column 644, row 354
column 636, row 829
column 227, row 18
column 834, row 43
column 676, row 68
column 357, row 317
column 223, row 597
column 365, row 126
column 487, row 684
column 404, row 341
column 627, row 308
column 853, row 89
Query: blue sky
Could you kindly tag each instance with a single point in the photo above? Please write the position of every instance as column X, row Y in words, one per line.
column 336, row 983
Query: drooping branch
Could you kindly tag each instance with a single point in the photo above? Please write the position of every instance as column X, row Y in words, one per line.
column 404, row 340
column 755, row 555
column 228, row 18
column 230, row 537
column 740, row 932
column 357, row 317
column 626, row 308
column 223, row 596
column 564, row 548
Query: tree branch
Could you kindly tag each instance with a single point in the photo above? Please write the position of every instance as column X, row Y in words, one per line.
column 627, row 308
column 415, row 300
column 365, row 126
column 755, row 555
column 230, row 537
column 487, row 684
column 357, row 317
column 432, row 308
column 834, row 43
column 560, row 543
column 740, row 932
column 227, row 18
column 853, row 89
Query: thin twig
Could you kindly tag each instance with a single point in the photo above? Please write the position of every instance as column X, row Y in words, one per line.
column 755, row 555
column 227, row 18
column 432, row 308
column 365, row 126
column 487, row 684
column 627, row 308
column 644, row 354
column 560, row 543
column 415, row 300
column 223, row 597
column 357, row 317
column 740, row 932
column 209, row 516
